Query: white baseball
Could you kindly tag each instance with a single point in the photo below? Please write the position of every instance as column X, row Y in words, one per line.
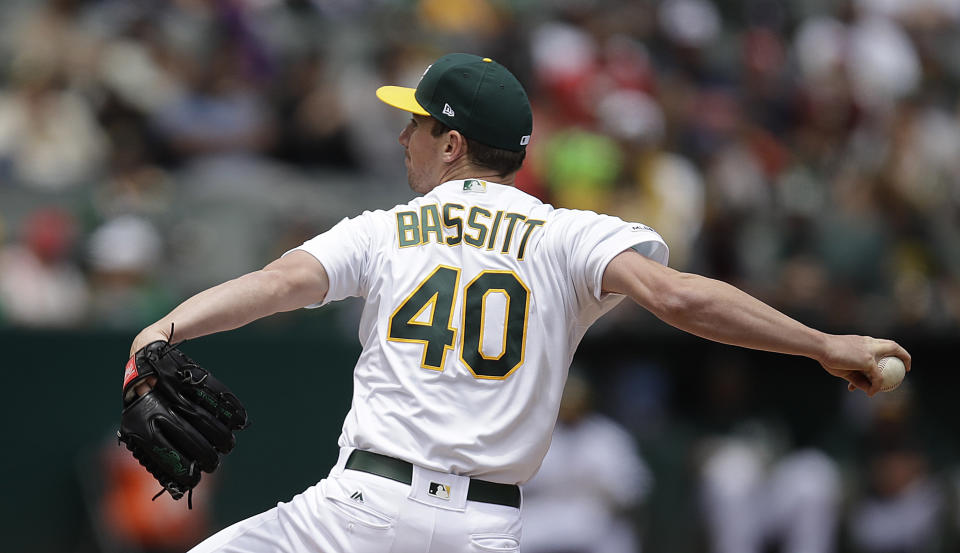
column 892, row 371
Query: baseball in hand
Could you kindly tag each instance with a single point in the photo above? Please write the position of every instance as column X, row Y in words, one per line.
column 892, row 372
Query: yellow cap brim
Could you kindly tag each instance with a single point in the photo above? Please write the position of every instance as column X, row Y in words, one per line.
column 401, row 97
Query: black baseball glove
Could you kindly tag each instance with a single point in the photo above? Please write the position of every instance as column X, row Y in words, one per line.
column 183, row 424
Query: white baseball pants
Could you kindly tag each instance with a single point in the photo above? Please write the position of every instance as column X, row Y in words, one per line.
column 356, row 512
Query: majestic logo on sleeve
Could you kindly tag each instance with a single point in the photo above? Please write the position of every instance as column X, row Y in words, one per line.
column 637, row 227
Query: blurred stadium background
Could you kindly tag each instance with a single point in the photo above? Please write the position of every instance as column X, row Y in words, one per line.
column 807, row 151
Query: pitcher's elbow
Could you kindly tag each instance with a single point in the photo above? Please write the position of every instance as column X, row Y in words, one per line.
column 677, row 299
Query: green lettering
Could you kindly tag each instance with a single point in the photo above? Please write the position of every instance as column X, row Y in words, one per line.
column 408, row 228
column 512, row 218
column 477, row 226
column 451, row 221
column 493, row 230
column 531, row 224
column 430, row 223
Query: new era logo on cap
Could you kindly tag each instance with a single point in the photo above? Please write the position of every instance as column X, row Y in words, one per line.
column 447, row 110
column 524, row 140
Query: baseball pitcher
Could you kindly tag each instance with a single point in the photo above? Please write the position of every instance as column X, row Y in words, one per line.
column 476, row 296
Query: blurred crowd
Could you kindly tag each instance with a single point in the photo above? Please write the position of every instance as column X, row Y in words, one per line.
column 728, row 475
column 808, row 152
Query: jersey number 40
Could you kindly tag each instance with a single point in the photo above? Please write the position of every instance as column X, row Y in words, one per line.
column 438, row 294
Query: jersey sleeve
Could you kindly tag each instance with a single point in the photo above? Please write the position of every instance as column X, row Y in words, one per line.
column 592, row 240
column 344, row 251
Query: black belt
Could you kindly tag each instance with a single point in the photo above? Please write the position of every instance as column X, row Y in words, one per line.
column 402, row 471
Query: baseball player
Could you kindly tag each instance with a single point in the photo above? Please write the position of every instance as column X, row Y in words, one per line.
column 476, row 296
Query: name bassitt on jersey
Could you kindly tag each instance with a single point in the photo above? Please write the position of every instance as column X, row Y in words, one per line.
column 476, row 296
column 465, row 224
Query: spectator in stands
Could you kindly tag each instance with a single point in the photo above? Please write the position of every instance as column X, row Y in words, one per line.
column 757, row 491
column 40, row 283
column 123, row 254
column 590, row 483
column 900, row 504
column 130, row 523
column 222, row 114
column 49, row 138
column 313, row 127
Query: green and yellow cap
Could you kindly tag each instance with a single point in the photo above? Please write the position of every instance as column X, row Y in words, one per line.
column 476, row 96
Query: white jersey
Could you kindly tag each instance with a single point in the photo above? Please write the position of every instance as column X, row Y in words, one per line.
column 477, row 296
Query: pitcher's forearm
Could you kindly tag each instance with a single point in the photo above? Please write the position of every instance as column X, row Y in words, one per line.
column 288, row 283
column 226, row 306
column 720, row 312
column 710, row 308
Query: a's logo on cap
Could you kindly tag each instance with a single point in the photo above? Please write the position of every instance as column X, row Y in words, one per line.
column 441, row 491
column 447, row 110
column 524, row 140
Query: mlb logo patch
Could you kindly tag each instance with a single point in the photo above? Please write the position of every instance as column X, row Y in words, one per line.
column 474, row 185
column 438, row 490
